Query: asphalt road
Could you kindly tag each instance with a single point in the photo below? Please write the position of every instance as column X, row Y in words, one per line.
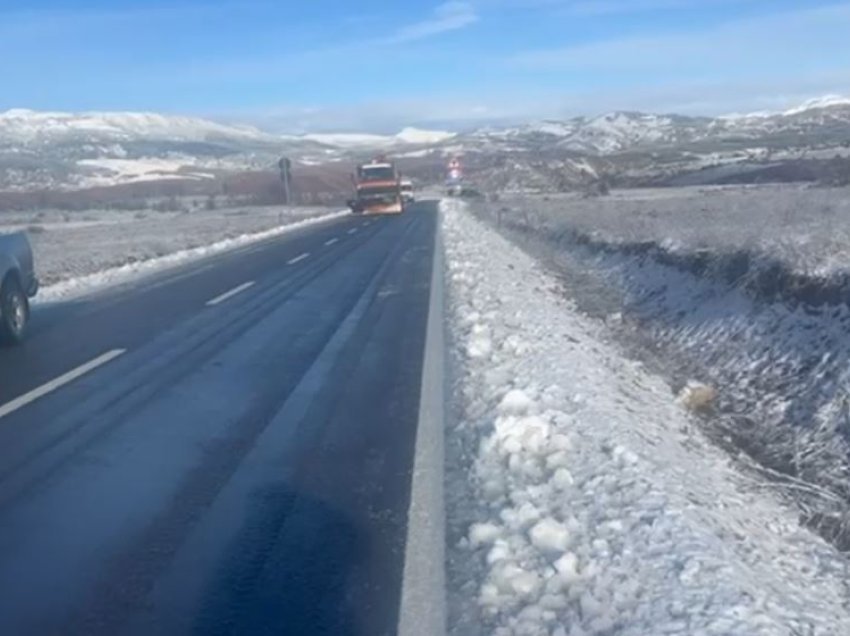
column 225, row 448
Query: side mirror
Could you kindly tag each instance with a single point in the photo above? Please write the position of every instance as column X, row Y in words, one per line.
column 351, row 203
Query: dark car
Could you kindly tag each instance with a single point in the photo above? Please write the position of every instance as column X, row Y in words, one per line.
column 18, row 284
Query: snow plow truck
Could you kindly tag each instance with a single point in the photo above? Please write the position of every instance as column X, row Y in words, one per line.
column 377, row 189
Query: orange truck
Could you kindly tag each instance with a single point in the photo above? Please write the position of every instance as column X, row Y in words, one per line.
column 377, row 189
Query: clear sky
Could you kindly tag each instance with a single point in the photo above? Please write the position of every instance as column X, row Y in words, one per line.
column 372, row 65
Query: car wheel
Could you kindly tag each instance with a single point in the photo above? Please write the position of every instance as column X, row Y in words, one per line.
column 14, row 312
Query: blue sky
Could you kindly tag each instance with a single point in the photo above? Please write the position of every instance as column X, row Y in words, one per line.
column 341, row 65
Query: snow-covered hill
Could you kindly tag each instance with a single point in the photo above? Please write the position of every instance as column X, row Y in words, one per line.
column 407, row 137
column 68, row 151
column 27, row 127
column 810, row 142
column 47, row 150
column 625, row 131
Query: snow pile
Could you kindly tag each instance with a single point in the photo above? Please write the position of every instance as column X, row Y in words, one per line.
column 74, row 286
column 588, row 503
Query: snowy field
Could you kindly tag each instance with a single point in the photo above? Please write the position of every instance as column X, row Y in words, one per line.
column 806, row 228
column 583, row 498
column 70, row 246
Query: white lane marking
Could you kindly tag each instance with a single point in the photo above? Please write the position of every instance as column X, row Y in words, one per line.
column 298, row 259
column 352, row 230
column 62, row 380
column 367, row 223
column 331, row 241
column 230, row 294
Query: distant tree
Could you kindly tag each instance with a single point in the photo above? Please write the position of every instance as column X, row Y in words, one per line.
column 210, row 203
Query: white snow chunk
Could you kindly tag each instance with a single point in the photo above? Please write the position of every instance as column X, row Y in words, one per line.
column 512, row 579
column 483, row 534
column 562, row 479
column 480, row 345
column 516, row 402
column 567, row 567
column 550, row 536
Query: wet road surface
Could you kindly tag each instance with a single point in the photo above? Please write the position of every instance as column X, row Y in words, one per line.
column 224, row 448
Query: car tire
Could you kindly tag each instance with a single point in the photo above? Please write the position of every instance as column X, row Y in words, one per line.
column 14, row 312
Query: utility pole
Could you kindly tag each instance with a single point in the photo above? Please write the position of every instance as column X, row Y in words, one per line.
column 285, row 165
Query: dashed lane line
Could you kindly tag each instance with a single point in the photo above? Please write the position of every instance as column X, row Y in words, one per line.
column 230, row 294
column 298, row 258
column 62, row 380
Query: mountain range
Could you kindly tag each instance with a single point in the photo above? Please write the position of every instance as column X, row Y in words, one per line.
column 67, row 151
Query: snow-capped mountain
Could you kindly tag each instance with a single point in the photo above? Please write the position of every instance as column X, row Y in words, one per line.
column 66, row 151
column 618, row 132
column 57, row 150
column 359, row 141
column 32, row 127
column 609, row 133
column 808, row 143
column 46, row 150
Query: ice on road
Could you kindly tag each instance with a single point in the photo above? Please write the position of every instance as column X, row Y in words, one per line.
column 582, row 500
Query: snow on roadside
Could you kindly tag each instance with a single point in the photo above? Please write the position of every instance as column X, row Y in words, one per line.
column 81, row 285
column 598, row 508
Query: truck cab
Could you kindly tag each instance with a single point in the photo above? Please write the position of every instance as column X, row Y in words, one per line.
column 377, row 186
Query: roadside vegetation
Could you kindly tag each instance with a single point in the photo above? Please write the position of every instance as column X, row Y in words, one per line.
column 745, row 291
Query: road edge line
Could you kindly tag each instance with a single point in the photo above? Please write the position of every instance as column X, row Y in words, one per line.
column 423, row 589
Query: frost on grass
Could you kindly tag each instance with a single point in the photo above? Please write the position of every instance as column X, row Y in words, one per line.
column 806, row 229
column 745, row 289
column 591, row 510
column 78, row 252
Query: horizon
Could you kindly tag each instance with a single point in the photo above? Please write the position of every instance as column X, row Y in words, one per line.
column 790, row 108
column 434, row 65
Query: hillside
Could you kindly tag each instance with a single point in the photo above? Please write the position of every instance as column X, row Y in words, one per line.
column 43, row 151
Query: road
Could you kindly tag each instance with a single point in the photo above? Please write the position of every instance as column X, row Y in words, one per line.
column 225, row 448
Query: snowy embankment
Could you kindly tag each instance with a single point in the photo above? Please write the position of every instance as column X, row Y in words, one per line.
column 753, row 300
column 78, row 252
column 582, row 499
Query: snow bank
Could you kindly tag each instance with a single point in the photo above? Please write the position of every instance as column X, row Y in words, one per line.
column 80, row 285
column 760, row 324
column 587, row 502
